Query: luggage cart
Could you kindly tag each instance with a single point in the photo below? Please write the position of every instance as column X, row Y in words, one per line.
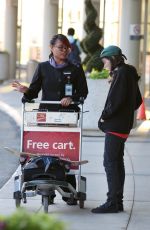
column 53, row 137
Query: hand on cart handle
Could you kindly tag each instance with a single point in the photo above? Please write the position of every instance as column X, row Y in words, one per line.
column 19, row 87
column 66, row 101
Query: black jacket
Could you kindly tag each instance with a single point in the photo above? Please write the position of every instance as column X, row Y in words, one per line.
column 123, row 99
column 52, row 82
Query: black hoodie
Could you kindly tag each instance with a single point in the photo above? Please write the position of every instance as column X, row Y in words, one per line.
column 123, row 99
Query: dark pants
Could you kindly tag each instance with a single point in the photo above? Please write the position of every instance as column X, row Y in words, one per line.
column 114, row 167
column 72, row 180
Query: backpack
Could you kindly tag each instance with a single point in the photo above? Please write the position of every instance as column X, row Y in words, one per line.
column 45, row 167
column 74, row 55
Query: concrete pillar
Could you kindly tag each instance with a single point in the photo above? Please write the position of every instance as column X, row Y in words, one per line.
column 11, row 34
column 130, row 24
column 50, row 25
column 83, row 18
column 130, row 16
column 4, row 64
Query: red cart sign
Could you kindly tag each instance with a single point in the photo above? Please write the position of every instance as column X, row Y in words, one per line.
column 61, row 144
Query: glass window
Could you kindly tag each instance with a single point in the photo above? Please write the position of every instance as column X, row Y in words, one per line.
column 110, row 21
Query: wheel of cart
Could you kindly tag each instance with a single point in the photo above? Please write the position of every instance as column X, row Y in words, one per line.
column 17, row 190
column 81, row 203
column 45, row 203
column 17, row 202
column 49, row 137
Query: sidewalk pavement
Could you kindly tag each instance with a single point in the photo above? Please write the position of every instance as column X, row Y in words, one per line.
column 137, row 184
column 10, row 137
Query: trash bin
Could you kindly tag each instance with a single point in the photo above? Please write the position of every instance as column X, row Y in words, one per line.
column 4, row 66
column 31, row 67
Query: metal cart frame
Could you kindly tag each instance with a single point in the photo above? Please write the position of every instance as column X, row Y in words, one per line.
column 38, row 124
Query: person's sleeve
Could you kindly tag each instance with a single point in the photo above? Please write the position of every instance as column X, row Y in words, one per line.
column 81, row 89
column 116, row 97
column 35, row 85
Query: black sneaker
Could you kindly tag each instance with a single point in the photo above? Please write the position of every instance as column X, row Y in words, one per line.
column 107, row 207
column 51, row 198
column 71, row 201
column 65, row 198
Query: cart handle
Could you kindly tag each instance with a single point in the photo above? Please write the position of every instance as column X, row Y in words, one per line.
column 81, row 101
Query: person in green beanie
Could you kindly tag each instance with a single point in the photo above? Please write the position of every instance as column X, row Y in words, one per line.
column 116, row 121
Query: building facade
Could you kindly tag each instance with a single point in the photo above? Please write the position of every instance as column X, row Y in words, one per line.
column 27, row 26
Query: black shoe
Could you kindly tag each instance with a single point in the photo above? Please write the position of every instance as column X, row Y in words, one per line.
column 71, row 201
column 65, row 199
column 120, row 207
column 51, row 198
column 107, row 207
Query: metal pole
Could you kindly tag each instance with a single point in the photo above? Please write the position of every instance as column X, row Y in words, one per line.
column 145, row 41
column 80, row 156
column 20, row 28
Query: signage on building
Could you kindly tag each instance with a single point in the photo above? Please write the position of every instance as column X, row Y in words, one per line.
column 135, row 32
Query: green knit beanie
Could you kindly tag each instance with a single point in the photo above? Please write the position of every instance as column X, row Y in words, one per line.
column 111, row 51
